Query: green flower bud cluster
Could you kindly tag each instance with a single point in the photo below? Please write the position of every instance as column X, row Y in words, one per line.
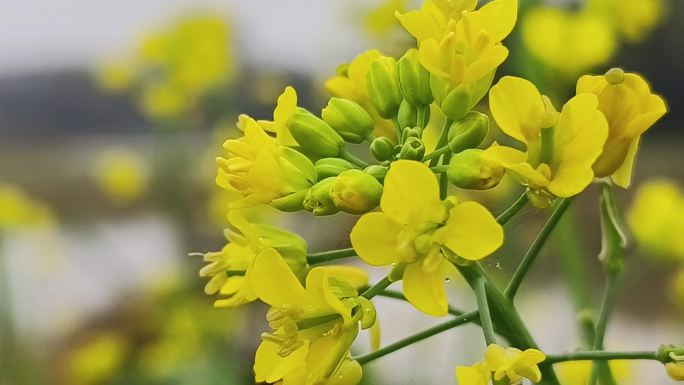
column 352, row 191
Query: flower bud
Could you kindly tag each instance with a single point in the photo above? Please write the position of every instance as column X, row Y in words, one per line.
column 290, row 246
column 469, row 170
column 356, row 192
column 382, row 148
column 318, row 198
column 407, row 116
column 314, row 136
column 348, row 119
column 327, row 167
column 540, row 199
column 376, row 171
column 383, row 86
column 410, row 132
column 675, row 370
column 414, row 79
column 457, row 103
column 468, row 132
column 412, row 149
column 290, row 203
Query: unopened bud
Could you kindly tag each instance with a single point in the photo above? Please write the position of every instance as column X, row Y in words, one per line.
column 382, row 149
column 675, row 370
column 615, row 76
column 348, row 119
column 468, row 132
column 407, row 116
column 290, row 203
column 414, row 79
column 327, row 167
column 410, row 132
column 314, row 136
column 540, row 199
column 376, row 171
column 469, row 170
column 457, row 103
column 412, row 149
column 318, row 198
column 356, row 192
column 290, row 246
column 383, row 86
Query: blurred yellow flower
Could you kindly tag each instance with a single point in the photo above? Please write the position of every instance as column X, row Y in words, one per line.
column 231, row 268
column 630, row 108
column 164, row 101
column 633, row 19
column 351, row 82
column 509, row 364
column 18, row 210
column 98, row 359
column 560, row 147
column 262, row 171
column 381, row 20
column 577, row 372
column 655, row 218
column 115, row 76
column 121, row 174
column 312, row 328
column 569, row 42
column 415, row 225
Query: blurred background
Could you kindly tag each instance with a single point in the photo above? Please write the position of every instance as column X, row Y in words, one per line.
column 111, row 115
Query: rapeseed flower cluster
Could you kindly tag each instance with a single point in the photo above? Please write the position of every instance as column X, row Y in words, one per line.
column 299, row 160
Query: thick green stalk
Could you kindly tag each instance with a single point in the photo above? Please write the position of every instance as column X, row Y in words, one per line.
column 535, row 248
column 351, row 158
column 601, row 369
column 436, row 154
column 429, row 332
column 328, row 256
column 601, row 356
column 442, row 141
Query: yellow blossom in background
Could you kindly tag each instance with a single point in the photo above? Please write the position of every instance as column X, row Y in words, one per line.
column 163, row 100
column 560, row 147
column 415, row 225
column 115, row 76
column 630, row 108
column 570, row 42
column 577, row 372
column 381, row 19
column 121, row 174
column 98, row 359
column 230, row 269
column 655, row 218
column 17, row 210
column 633, row 19
column 351, row 82
column 502, row 364
column 313, row 327
column 262, row 171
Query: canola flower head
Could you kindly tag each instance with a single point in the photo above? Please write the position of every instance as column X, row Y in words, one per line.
column 313, row 326
column 560, row 147
column 510, row 365
column 17, row 210
column 121, row 174
column 98, row 359
column 631, row 109
column 413, row 226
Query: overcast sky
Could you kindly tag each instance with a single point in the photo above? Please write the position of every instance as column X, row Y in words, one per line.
column 36, row 35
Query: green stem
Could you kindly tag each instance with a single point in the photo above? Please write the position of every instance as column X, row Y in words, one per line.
column 421, row 112
column 436, row 154
column 485, row 316
column 397, row 129
column 442, row 141
column 601, row 356
column 535, row 248
column 328, row 256
column 400, row 296
column 377, row 288
column 443, row 179
column 513, row 210
column 607, row 303
column 348, row 156
column 439, row 169
column 429, row 332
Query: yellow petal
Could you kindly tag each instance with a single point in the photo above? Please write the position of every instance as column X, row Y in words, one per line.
column 354, row 276
column 425, row 290
column 517, row 107
column 591, row 84
column 327, row 354
column 411, row 194
column 285, row 108
column 269, row 366
column 274, row 282
column 419, row 25
column 579, row 136
column 515, row 162
column 374, row 237
column 623, row 175
column 466, row 375
column 497, row 18
column 472, row 231
column 654, row 110
column 431, row 57
column 319, row 291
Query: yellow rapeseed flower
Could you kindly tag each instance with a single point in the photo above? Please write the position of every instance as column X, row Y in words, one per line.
column 285, row 108
column 263, row 171
column 578, row 372
column 501, row 363
column 415, row 225
column 634, row 19
column 312, row 328
column 560, row 147
column 655, row 218
column 18, row 210
column 631, row 109
column 570, row 42
column 98, row 359
column 381, row 20
column 351, row 82
column 231, row 268
column 121, row 174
